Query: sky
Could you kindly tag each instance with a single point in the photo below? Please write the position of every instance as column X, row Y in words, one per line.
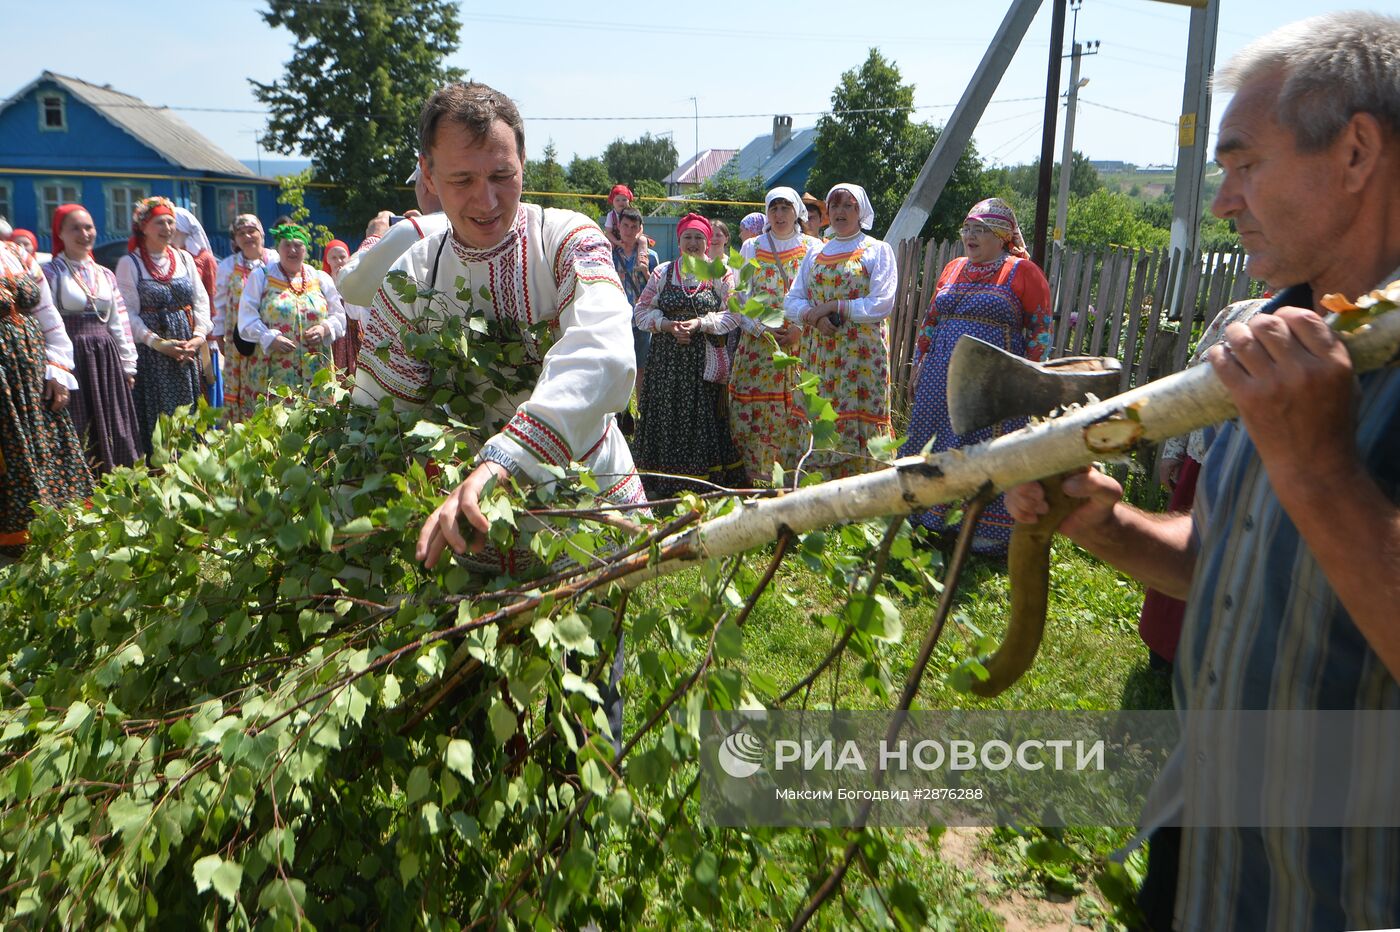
column 585, row 75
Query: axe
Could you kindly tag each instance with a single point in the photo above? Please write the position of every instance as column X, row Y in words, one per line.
column 986, row 385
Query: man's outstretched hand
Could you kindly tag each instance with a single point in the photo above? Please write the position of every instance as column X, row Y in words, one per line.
column 441, row 531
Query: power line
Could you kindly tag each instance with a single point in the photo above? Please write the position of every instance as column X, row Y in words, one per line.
column 555, row 119
column 1141, row 116
column 659, row 28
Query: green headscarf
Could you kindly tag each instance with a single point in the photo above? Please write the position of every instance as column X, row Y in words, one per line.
column 290, row 231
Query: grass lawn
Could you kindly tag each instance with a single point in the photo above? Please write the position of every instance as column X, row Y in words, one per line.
column 1091, row 658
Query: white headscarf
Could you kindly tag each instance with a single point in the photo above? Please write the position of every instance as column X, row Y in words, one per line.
column 867, row 213
column 196, row 240
column 789, row 195
column 5, row 228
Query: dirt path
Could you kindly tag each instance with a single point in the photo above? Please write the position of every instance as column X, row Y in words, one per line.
column 961, row 847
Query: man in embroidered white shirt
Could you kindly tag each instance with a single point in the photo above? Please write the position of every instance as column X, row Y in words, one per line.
column 539, row 265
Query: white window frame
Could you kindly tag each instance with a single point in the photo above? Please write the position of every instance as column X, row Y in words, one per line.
column 7, row 200
column 44, row 207
column 219, row 193
column 119, row 221
column 62, row 99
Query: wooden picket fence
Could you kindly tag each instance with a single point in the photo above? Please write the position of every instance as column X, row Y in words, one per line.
column 1146, row 308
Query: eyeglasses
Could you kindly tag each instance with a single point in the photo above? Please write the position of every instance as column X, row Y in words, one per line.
column 975, row 229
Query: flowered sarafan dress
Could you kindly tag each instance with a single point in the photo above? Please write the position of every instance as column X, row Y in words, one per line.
column 41, row 458
column 290, row 312
column 162, row 383
column 766, row 422
column 684, row 425
column 237, row 402
column 854, row 365
column 1006, row 303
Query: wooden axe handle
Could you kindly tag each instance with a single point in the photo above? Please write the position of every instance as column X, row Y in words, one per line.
column 1029, row 563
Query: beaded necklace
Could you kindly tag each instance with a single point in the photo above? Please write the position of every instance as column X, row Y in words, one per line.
column 299, row 286
column 78, row 271
column 680, row 281
column 150, row 264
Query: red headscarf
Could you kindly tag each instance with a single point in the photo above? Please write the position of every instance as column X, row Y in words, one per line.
column 619, row 189
column 19, row 234
column 58, row 217
column 693, row 221
column 146, row 208
column 334, row 243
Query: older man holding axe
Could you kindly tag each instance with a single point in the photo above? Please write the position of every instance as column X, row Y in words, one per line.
column 1290, row 561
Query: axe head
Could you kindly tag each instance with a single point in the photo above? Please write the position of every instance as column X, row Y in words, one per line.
column 986, row 384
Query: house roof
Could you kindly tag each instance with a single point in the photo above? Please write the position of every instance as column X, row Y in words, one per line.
column 171, row 137
column 759, row 159
column 696, row 169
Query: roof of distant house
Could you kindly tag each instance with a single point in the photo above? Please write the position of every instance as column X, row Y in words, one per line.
column 174, row 139
column 759, row 159
column 697, row 168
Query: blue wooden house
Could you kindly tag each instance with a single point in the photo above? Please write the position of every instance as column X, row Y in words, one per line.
column 782, row 157
column 64, row 140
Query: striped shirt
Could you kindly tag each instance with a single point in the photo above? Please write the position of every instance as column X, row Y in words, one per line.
column 1264, row 630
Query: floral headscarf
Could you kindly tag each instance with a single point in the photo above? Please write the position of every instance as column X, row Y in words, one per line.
column 998, row 217
column 752, row 224
column 245, row 220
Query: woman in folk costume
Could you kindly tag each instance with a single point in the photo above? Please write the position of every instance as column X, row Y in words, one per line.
column 683, row 433
column 842, row 296
column 41, row 458
column 346, row 349
column 104, row 354
column 169, row 313
column 249, row 254
column 995, row 293
column 767, row 425
column 293, row 312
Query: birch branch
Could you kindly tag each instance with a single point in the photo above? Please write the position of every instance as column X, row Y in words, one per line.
column 1170, row 406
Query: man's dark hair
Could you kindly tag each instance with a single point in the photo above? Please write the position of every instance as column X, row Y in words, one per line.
column 630, row 213
column 472, row 105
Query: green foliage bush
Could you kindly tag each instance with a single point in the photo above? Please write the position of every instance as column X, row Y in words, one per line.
column 232, row 699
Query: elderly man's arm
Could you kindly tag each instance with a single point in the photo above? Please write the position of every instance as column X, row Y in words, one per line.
column 1292, row 380
column 1157, row 549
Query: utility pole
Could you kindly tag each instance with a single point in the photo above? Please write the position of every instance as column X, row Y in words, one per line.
column 1193, row 129
column 696, row 103
column 1047, row 137
column 1071, row 108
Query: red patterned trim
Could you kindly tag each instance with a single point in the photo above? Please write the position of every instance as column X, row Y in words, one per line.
column 628, row 491
column 540, row 438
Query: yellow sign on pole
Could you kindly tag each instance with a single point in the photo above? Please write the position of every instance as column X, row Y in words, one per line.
column 1186, row 130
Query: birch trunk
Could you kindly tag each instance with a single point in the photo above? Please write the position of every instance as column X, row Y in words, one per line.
column 1173, row 405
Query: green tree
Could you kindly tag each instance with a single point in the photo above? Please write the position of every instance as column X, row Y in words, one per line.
column 588, row 176
column 547, row 180
column 869, row 139
column 350, row 95
column 652, row 157
column 1108, row 218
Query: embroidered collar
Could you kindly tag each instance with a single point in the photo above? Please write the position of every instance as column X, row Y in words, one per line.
column 472, row 254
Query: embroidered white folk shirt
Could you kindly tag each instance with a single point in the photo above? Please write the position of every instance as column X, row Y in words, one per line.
column 553, row 267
